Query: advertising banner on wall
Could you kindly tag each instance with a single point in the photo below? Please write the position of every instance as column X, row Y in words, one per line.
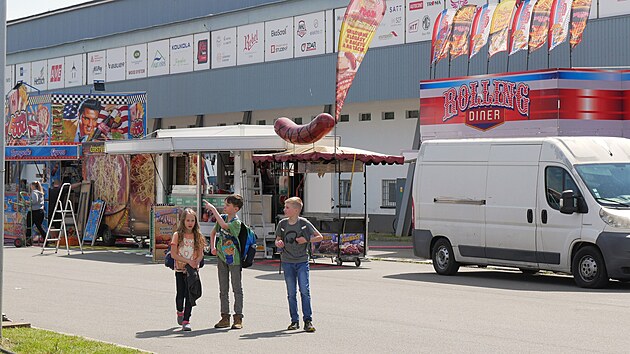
column 40, row 74
column 181, row 57
column 279, row 39
column 392, row 28
column 56, row 73
column 538, row 103
column 75, row 73
column 116, row 64
column 309, row 36
column 9, row 78
column 223, row 51
column 136, row 65
column 96, row 66
column 251, row 44
column 420, row 17
column 201, row 51
column 158, row 58
column 609, row 8
column 579, row 17
column 23, row 73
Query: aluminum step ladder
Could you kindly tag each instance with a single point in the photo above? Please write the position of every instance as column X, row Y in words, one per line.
column 254, row 210
column 63, row 206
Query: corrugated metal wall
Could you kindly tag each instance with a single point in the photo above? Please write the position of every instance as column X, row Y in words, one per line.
column 386, row 74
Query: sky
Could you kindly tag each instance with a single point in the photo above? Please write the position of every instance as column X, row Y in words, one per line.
column 23, row 8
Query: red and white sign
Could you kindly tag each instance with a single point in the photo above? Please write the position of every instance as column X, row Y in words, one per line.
column 201, row 52
column 56, row 73
column 250, row 47
column 546, row 102
column 309, row 34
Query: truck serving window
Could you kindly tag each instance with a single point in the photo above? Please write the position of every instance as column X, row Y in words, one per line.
column 608, row 183
column 557, row 180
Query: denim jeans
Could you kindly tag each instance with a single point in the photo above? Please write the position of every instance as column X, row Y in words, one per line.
column 297, row 273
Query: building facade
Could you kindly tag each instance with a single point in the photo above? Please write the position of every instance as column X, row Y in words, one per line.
column 251, row 61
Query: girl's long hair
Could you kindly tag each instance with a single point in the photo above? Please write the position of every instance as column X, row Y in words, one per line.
column 38, row 186
column 200, row 241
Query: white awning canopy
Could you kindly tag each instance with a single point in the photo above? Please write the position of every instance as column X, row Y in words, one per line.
column 226, row 138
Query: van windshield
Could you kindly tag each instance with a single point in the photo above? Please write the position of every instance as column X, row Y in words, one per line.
column 608, row 183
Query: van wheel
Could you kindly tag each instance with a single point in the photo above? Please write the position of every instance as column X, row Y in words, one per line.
column 589, row 269
column 528, row 271
column 443, row 258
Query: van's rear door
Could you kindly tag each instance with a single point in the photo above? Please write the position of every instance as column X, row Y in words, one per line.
column 511, row 204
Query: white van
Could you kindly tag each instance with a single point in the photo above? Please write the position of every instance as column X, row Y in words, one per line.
column 556, row 203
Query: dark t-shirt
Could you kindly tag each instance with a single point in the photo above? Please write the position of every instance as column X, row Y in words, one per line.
column 294, row 252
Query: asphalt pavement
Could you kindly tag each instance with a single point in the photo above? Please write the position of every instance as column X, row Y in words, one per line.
column 124, row 298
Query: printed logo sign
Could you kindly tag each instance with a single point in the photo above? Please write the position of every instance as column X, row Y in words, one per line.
column 181, row 54
column 485, row 103
column 201, row 51
column 309, row 35
column 137, row 61
column 96, row 66
column 250, row 45
column 40, row 74
column 158, row 58
column 223, row 51
column 56, row 73
column 116, row 64
column 279, row 39
column 74, row 73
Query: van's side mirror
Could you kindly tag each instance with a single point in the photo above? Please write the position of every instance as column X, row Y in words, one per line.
column 567, row 202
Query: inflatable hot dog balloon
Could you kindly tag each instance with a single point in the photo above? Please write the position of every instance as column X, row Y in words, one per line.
column 306, row 133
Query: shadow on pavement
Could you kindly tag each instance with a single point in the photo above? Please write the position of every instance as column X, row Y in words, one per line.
column 273, row 334
column 176, row 332
column 509, row 281
column 105, row 256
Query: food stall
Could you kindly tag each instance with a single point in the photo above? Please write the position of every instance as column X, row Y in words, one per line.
column 345, row 236
column 176, row 152
column 60, row 136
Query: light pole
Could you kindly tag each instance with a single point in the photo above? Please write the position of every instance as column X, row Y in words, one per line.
column 3, row 46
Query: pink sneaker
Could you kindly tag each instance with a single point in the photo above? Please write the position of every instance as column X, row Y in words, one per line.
column 180, row 318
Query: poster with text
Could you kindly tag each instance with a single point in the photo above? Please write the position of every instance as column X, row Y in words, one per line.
column 136, row 65
column 279, row 39
column 223, row 51
column 40, row 74
column 56, row 73
column 163, row 225
column 392, row 28
column 96, row 66
column 181, row 57
column 75, row 75
column 9, row 78
column 309, row 34
column 251, row 44
column 94, row 221
column 115, row 64
column 158, row 58
column 609, row 8
column 23, row 73
column 420, row 17
column 201, row 51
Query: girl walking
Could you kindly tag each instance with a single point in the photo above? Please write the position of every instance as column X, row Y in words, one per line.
column 187, row 251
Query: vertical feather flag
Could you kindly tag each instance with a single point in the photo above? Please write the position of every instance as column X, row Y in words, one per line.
column 441, row 35
column 481, row 28
column 500, row 27
column 540, row 24
column 520, row 28
column 581, row 9
column 559, row 22
column 360, row 22
column 460, row 31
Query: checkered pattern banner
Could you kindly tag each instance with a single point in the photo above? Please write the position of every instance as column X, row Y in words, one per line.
column 103, row 99
column 142, row 98
column 38, row 99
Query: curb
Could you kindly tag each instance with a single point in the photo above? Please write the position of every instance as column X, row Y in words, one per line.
column 399, row 260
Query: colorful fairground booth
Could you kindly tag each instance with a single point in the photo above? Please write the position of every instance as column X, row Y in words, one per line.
column 60, row 136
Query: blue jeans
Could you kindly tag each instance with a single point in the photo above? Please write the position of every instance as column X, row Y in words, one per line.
column 298, row 273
